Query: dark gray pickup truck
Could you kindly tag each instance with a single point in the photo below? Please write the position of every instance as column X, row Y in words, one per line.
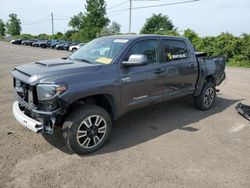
column 109, row 76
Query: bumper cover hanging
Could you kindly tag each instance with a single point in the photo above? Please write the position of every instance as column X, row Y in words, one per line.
column 243, row 110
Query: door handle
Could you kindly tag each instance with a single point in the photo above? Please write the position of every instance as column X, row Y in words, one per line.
column 159, row 71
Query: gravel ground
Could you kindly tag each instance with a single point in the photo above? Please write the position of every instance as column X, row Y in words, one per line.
column 166, row 145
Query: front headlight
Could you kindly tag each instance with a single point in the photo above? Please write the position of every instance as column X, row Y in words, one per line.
column 49, row 91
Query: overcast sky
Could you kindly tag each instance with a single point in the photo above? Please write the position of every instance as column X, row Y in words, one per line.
column 206, row 17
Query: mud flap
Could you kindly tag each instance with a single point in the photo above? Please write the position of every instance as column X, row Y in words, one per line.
column 243, row 110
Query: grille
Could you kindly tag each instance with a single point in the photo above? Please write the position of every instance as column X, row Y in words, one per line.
column 24, row 91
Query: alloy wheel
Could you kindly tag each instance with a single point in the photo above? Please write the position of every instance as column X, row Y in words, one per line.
column 91, row 131
column 209, row 97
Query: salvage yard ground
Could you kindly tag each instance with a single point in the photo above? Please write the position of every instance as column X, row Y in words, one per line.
column 168, row 145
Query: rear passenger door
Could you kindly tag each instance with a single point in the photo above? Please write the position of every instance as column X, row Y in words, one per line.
column 181, row 68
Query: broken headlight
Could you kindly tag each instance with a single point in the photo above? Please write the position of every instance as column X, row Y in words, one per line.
column 47, row 92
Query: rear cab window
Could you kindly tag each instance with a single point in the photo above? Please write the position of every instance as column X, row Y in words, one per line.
column 174, row 50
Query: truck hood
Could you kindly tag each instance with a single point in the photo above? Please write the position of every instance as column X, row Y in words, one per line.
column 47, row 71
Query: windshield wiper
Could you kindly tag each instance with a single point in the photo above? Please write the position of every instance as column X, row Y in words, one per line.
column 84, row 60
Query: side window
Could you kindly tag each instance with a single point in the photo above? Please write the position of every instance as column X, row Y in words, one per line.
column 174, row 50
column 146, row 47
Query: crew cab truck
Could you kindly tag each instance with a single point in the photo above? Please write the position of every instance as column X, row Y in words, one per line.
column 109, row 76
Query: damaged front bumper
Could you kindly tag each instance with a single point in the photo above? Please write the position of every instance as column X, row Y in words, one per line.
column 44, row 123
column 37, row 120
column 25, row 120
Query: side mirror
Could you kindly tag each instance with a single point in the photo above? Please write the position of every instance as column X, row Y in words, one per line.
column 136, row 60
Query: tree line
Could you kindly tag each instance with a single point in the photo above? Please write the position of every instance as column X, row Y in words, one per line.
column 95, row 23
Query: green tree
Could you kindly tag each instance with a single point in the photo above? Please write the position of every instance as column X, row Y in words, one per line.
column 43, row 36
column 80, row 36
column 113, row 29
column 58, row 35
column 77, row 21
column 2, row 28
column 157, row 23
column 95, row 18
column 13, row 25
column 25, row 36
column 193, row 37
column 246, row 46
column 68, row 34
column 190, row 34
column 173, row 32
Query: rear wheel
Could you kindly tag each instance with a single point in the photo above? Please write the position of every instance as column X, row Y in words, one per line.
column 206, row 98
column 74, row 49
column 87, row 129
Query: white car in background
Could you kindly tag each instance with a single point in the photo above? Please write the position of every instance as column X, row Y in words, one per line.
column 76, row 47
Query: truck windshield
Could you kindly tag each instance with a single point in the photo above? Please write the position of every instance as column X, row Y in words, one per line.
column 101, row 50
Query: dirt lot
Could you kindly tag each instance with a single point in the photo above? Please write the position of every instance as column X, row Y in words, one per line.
column 167, row 145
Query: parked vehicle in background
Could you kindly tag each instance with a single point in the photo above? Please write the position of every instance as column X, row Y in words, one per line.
column 67, row 45
column 64, row 45
column 28, row 42
column 76, row 47
column 108, row 77
column 36, row 43
column 47, row 43
column 16, row 41
column 53, row 46
column 24, row 42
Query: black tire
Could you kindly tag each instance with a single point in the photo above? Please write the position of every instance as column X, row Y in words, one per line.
column 206, row 98
column 82, row 139
column 74, row 49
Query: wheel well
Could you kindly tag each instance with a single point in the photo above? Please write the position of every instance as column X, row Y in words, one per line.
column 211, row 79
column 105, row 101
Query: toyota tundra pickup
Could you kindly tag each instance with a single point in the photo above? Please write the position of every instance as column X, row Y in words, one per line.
column 83, row 93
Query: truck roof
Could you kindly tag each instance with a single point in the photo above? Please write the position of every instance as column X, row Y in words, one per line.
column 136, row 36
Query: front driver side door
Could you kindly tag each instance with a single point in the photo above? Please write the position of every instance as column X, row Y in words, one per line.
column 141, row 85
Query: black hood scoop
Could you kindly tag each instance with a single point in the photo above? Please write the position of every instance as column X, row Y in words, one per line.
column 52, row 63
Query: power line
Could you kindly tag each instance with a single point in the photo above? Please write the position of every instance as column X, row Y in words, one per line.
column 117, row 5
column 114, row 14
column 61, row 16
column 117, row 12
column 153, row 6
column 177, row 3
column 148, row 6
column 39, row 20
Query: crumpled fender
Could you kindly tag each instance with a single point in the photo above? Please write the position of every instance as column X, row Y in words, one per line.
column 212, row 67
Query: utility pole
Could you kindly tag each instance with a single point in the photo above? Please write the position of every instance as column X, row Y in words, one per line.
column 130, row 12
column 52, row 22
column 130, row 15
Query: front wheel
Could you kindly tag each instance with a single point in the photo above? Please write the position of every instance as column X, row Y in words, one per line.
column 87, row 129
column 206, row 98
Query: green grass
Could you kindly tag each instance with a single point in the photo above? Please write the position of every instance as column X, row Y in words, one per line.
column 235, row 63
